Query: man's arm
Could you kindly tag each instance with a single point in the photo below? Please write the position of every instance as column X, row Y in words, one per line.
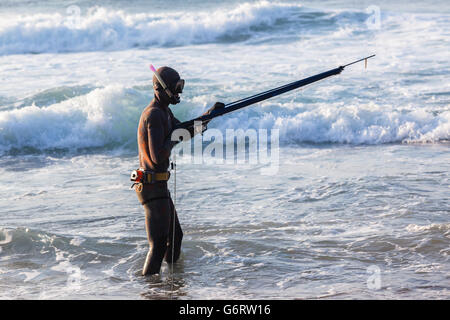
column 217, row 105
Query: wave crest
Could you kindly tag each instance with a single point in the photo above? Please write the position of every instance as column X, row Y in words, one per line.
column 107, row 118
column 103, row 117
column 107, row 29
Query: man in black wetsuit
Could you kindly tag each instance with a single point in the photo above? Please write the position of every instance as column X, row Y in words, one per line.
column 154, row 140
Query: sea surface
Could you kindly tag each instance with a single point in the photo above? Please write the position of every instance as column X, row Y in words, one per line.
column 357, row 208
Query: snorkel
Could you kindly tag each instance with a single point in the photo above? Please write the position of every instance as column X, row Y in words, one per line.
column 173, row 97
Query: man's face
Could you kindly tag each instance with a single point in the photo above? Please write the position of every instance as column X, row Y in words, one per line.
column 177, row 89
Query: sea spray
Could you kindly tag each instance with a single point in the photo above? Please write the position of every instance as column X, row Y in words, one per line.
column 100, row 28
column 107, row 118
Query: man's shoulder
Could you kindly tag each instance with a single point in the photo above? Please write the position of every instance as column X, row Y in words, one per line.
column 150, row 112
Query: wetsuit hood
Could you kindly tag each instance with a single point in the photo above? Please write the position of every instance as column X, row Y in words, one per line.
column 173, row 82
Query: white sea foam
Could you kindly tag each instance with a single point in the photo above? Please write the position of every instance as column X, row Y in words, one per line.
column 106, row 29
column 77, row 241
column 30, row 275
column 436, row 227
column 5, row 239
column 107, row 117
column 97, row 119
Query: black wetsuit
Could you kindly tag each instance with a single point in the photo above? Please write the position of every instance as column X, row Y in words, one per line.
column 154, row 143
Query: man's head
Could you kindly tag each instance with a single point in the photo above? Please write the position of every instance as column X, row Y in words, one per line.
column 174, row 84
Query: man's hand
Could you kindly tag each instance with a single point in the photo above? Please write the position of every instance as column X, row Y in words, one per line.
column 216, row 106
column 204, row 126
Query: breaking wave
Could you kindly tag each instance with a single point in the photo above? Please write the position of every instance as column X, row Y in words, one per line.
column 103, row 117
column 101, row 28
column 107, row 118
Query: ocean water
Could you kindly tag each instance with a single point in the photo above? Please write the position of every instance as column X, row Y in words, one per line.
column 359, row 207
